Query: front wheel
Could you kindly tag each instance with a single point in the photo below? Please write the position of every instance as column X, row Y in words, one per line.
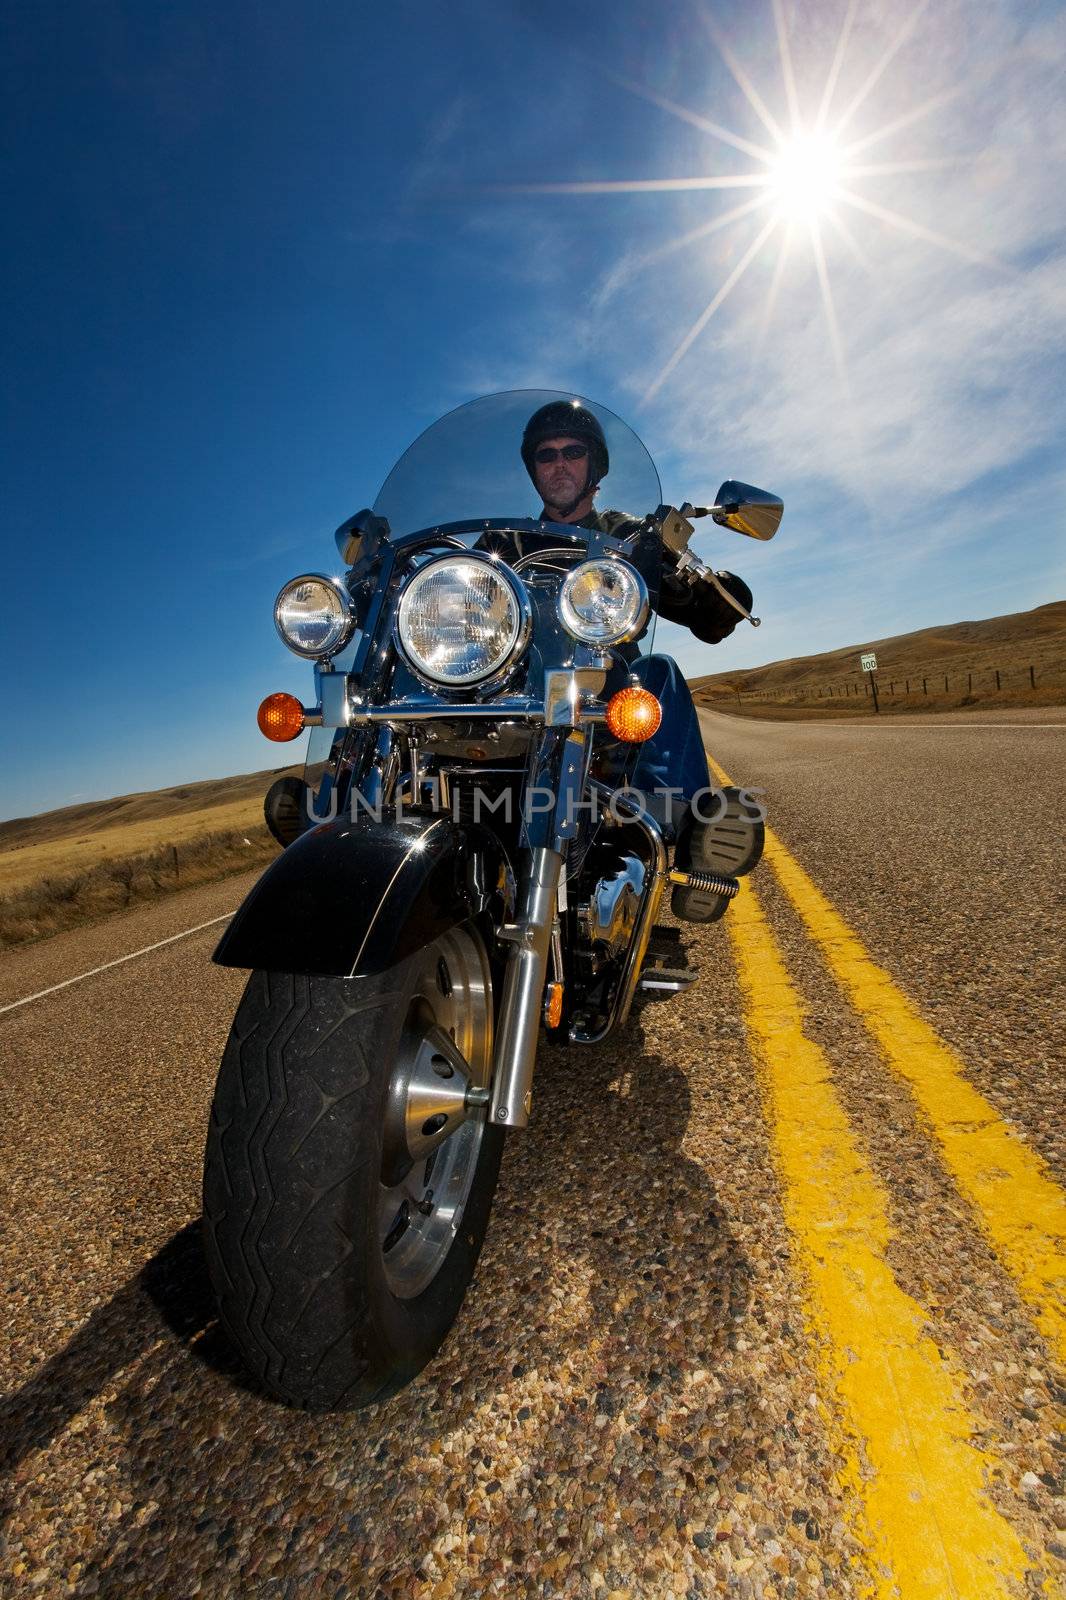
column 346, row 1189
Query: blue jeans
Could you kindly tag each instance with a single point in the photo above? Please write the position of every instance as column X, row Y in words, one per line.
column 673, row 758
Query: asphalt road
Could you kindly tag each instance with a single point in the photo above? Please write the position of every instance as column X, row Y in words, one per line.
column 768, row 1305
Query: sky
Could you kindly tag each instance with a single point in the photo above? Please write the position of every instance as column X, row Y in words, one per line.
column 253, row 249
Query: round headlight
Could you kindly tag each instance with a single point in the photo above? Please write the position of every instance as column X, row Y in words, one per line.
column 314, row 616
column 604, row 602
column 462, row 620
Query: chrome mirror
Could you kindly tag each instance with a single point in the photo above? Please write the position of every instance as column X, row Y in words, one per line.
column 353, row 536
column 747, row 510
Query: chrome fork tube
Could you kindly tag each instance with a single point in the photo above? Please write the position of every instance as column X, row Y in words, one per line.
column 523, row 990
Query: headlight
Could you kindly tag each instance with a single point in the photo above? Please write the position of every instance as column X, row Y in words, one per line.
column 462, row 620
column 314, row 616
column 604, row 602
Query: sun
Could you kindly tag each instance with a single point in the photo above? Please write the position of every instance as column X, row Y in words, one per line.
column 804, row 178
column 808, row 170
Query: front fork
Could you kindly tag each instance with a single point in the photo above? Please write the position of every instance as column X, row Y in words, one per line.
column 523, row 990
column 557, row 770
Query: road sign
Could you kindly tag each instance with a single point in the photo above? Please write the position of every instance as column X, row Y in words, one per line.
column 869, row 662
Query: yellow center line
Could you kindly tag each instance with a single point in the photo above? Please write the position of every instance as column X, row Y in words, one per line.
column 901, row 1427
column 1021, row 1208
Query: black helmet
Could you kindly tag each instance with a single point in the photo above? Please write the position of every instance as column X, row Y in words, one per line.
column 562, row 418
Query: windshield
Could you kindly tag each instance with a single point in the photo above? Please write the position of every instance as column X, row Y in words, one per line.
column 469, row 466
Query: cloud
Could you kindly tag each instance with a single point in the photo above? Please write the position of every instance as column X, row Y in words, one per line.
column 902, row 479
column 952, row 369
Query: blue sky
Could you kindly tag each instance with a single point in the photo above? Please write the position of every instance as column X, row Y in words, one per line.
column 254, row 249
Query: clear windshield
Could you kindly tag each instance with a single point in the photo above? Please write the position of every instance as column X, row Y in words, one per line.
column 469, row 465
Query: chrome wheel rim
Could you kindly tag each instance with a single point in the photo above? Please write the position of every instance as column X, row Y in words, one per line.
column 427, row 1171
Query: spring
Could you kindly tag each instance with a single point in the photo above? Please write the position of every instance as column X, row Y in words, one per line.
column 711, row 881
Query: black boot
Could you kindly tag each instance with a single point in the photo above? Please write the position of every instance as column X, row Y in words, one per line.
column 730, row 846
column 285, row 809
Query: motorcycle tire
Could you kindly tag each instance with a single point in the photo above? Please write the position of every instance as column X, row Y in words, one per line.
column 331, row 1302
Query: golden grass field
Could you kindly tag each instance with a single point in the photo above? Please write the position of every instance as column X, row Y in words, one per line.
column 85, row 862
column 81, row 851
column 946, row 668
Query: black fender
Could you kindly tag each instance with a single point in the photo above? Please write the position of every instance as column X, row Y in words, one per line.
column 349, row 898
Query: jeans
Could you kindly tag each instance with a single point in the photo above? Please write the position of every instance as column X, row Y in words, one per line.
column 673, row 758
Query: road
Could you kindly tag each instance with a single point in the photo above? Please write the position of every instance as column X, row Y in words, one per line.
column 768, row 1305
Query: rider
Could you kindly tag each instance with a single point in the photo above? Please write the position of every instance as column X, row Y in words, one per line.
column 565, row 453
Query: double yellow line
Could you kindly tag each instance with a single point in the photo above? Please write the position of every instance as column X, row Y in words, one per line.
column 896, row 1406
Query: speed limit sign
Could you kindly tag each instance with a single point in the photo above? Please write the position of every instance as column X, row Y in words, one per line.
column 869, row 662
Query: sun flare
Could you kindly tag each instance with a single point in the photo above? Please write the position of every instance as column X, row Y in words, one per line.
column 804, row 179
column 808, row 171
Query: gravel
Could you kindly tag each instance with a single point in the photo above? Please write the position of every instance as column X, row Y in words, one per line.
column 626, row 1407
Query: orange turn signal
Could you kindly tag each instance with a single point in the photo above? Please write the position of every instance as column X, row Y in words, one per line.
column 633, row 715
column 281, row 717
column 553, row 1005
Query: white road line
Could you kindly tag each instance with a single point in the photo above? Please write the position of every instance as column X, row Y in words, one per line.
column 971, row 727
column 14, row 1004
column 879, row 727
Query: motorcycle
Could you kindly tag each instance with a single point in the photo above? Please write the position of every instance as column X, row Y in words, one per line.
column 465, row 873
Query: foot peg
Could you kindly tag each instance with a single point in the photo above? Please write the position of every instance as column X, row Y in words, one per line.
column 662, row 983
column 666, row 970
column 700, row 896
column 713, row 882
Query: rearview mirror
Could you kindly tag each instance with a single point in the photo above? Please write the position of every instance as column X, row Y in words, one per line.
column 747, row 510
column 354, row 536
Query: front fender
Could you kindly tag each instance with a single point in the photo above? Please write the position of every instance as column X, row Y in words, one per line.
column 349, row 898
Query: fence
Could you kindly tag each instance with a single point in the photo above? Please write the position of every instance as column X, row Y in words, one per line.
column 849, row 688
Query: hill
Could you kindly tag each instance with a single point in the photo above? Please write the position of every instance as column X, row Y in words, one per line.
column 94, row 816
column 83, row 862
column 943, row 668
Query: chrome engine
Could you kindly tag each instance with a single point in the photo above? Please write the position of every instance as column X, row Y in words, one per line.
column 609, row 916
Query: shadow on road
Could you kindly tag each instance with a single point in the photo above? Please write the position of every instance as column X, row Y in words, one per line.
column 596, row 1202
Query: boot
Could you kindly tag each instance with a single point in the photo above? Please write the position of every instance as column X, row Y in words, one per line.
column 730, row 846
column 285, row 809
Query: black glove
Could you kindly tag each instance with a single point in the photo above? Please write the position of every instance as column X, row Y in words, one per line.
column 699, row 607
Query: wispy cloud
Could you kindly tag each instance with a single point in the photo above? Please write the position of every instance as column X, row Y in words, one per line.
column 885, row 378
column 953, row 370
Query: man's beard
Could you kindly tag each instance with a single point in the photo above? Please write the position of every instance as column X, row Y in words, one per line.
column 563, row 495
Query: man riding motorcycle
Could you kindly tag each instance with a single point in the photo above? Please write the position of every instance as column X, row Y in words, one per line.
column 565, row 452
column 465, row 875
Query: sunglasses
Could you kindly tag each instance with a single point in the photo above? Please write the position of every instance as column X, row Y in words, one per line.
column 569, row 452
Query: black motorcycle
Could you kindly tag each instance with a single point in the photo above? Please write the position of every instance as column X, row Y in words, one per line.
column 466, row 871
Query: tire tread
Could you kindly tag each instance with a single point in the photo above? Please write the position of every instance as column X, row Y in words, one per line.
column 288, row 1184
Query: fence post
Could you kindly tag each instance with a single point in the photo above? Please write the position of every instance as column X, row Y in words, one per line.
column 891, row 688
column 945, row 683
column 997, row 677
column 1032, row 678
column 908, row 688
column 925, row 685
column 969, row 683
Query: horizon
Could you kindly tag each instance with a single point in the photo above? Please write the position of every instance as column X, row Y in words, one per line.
column 810, row 245
column 298, row 746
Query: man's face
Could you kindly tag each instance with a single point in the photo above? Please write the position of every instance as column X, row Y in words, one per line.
column 560, row 481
